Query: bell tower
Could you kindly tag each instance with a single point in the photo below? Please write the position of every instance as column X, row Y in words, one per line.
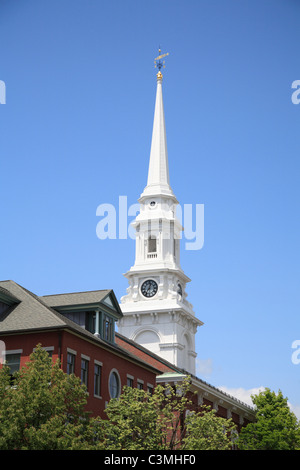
column 156, row 313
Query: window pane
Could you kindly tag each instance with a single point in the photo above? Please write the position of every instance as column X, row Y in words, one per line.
column 84, row 371
column 129, row 382
column 70, row 363
column 3, row 307
column 114, row 385
column 13, row 362
column 108, row 328
column 97, row 380
column 90, row 321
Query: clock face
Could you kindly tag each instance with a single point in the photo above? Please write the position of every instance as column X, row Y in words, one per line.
column 149, row 288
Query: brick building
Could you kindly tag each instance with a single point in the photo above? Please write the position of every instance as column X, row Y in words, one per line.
column 79, row 329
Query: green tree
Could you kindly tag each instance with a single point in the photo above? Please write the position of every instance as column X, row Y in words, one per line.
column 206, row 431
column 41, row 407
column 275, row 427
column 131, row 423
column 138, row 420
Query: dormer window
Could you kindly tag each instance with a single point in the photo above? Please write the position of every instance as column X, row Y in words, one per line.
column 108, row 328
column 95, row 311
column 7, row 300
column 3, row 307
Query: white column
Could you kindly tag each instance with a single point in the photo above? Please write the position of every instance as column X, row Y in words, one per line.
column 97, row 323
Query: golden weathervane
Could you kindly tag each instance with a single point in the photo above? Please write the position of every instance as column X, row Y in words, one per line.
column 158, row 61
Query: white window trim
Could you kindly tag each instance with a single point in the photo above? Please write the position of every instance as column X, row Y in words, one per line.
column 13, row 351
column 46, row 348
column 71, row 351
column 87, row 358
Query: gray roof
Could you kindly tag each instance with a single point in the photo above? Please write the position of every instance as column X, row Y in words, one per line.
column 29, row 313
column 33, row 312
column 7, row 296
column 88, row 300
column 75, row 298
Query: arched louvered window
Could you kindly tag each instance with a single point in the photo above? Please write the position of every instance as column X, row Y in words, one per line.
column 152, row 244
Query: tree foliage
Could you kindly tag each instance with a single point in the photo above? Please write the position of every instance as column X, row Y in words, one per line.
column 275, row 427
column 40, row 406
column 205, row 431
column 141, row 421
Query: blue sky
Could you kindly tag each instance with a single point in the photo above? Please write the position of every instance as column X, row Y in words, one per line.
column 76, row 132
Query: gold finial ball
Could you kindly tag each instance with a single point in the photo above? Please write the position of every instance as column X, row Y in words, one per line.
column 159, row 75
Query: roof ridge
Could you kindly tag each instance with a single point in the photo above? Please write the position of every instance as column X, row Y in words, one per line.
column 38, row 299
column 77, row 292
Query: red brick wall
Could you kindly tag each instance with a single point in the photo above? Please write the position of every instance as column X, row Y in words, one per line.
column 27, row 342
column 208, row 403
column 222, row 412
column 61, row 341
column 110, row 361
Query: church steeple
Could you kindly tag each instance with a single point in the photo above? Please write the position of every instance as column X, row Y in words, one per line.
column 156, row 313
column 158, row 174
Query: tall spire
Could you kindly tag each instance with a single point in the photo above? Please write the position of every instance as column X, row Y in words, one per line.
column 156, row 312
column 158, row 174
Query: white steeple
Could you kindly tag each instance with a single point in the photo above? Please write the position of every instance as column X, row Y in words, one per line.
column 156, row 313
column 158, row 174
